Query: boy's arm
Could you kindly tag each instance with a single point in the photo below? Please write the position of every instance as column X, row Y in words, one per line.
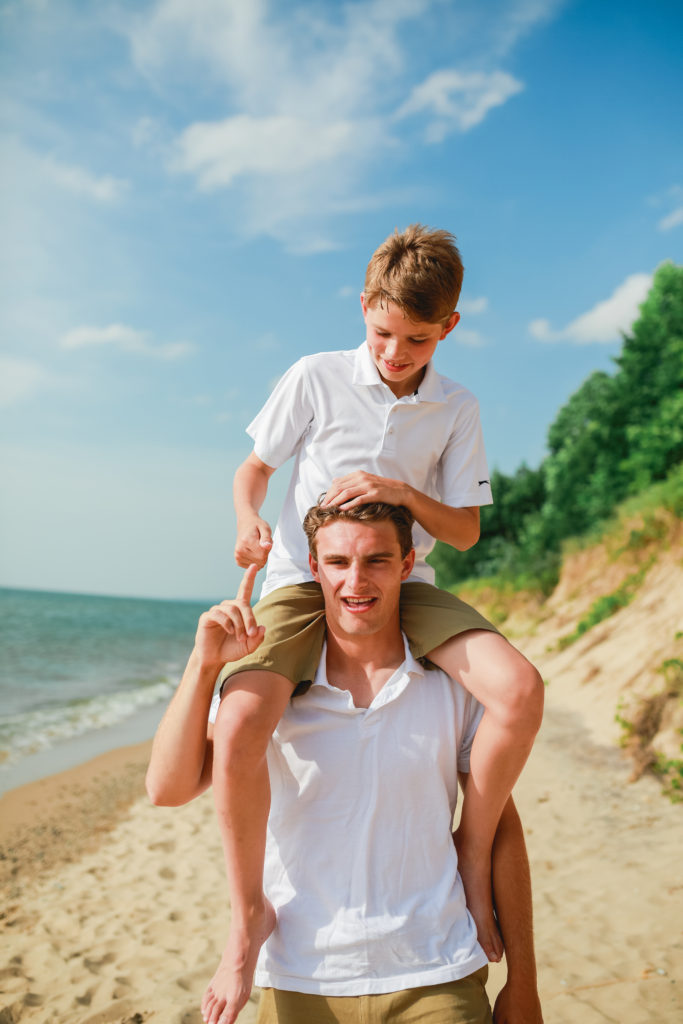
column 518, row 1001
column 458, row 527
column 254, row 538
column 182, row 751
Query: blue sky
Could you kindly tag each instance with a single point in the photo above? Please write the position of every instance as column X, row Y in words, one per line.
column 191, row 190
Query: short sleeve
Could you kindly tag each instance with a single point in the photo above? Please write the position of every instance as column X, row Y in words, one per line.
column 283, row 421
column 472, row 716
column 463, row 474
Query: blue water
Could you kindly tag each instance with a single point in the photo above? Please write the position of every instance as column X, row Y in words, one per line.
column 84, row 673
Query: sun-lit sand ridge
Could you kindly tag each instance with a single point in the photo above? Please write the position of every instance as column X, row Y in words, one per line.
column 126, row 925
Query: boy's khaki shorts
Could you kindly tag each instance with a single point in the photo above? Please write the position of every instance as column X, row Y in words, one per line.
column 455, row 1002
column 294, row 618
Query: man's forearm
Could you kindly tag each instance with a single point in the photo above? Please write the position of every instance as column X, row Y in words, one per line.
column 512, row 893
column 512, row 900
column 180, row 765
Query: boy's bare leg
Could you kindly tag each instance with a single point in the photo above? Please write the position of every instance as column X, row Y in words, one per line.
column 252, row 705
column 511, row 691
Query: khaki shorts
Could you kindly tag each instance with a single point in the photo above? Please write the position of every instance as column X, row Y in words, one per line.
column 455, row 1002
column 294, row 618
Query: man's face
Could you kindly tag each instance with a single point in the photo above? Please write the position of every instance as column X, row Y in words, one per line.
column 401, row 348
column 360, row 569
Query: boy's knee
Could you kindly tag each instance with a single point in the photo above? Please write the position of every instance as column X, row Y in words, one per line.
column 526, row 694
column 243, row 727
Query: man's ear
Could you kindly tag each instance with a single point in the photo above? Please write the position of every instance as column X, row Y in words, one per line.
column 407, row 565
column 314, row 567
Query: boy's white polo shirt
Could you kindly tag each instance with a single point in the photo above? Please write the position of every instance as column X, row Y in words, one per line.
column 360, row 864
column 334, row 413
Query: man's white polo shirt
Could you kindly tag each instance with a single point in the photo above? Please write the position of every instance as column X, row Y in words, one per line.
column 335, row 414
column 360, row 864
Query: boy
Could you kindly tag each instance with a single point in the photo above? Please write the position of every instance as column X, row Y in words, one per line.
column 418, row 436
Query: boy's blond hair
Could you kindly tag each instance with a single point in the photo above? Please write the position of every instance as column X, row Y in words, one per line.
column 420, row 271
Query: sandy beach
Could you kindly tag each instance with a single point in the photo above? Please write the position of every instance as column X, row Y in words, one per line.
column 115, row 911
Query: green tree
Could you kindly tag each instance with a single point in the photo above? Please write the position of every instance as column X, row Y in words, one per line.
column 649, row 382
column 614, row 436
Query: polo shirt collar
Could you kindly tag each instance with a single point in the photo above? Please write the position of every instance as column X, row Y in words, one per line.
column 394, row 686
column 366, row 373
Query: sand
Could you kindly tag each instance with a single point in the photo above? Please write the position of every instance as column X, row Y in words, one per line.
column 116, row 911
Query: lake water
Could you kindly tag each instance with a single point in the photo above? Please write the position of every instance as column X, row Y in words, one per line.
column 81, row 674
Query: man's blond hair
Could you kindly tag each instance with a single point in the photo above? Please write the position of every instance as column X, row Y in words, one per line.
column 373, row 512
column 418, row 270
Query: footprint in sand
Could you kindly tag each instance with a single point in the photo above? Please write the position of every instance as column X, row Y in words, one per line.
column 166, row 846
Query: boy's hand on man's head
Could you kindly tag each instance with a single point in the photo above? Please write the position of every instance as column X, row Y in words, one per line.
column 360, row 488
column 253, row 543
column 229, row 631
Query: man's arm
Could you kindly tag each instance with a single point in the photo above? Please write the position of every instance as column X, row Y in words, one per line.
column 458, row 527
column 518, row 1001
column 254, row 538
column 182, row 751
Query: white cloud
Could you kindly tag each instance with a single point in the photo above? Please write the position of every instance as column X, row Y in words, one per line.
column 469, row 338
column 128, row 339
column 671, row 199
column 219, row 153
column 308, row 92
column 457, row 100
column 606, row 320
column 516, row 20
column 672, row 220
column 20, row 379
column 472, row 307
column 105, row 189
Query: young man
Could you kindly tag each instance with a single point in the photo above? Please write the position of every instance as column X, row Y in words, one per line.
column 361, row 868
column 382, row 425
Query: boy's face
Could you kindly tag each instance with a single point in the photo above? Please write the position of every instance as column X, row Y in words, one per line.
column 401, row 348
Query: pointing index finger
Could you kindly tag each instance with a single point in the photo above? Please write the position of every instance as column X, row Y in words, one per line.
column 247, row 585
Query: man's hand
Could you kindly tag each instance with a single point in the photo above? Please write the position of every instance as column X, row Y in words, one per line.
column 359, row 488
column 518, row 1004
column 253, row 544
column 228, row 631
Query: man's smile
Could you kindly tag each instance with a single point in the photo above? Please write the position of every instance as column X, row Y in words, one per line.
column 358, row 604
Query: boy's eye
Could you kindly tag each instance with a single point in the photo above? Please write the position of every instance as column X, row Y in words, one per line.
column 417, row 341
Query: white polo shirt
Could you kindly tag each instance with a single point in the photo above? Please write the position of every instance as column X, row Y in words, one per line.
column 334, row 414
column 360, row 864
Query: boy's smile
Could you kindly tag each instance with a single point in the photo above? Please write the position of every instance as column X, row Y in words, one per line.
column 401, row 348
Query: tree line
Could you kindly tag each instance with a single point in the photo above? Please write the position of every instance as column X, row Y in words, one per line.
column 615, row 436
